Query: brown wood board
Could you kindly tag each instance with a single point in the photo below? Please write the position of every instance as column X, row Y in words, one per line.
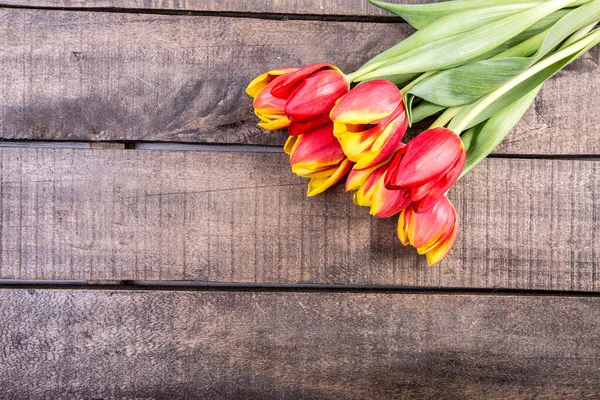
column 359, row 8
column 233, row 345
column 104, row 214
column 100, row 76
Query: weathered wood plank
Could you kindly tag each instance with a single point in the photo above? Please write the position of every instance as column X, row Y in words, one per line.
column 228, row 345
column 243, row 217
column 97, row 76
column 307, row 7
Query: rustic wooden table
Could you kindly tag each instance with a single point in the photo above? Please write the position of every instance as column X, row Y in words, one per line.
column 154, row 243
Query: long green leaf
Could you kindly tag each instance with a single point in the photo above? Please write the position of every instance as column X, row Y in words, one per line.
column 465, row 84
column 423, row 110
column 450, row 25
column 511, row 92
column 421, row 15
column 482, row 139
column 450, row 52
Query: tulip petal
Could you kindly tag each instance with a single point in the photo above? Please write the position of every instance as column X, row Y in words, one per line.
column 364, row 195
column 274, row 124
column 358, row 177
column 355, row 144
column 315, row 151
column 441, row 186
column 286, row 85
column 437, row 254
column 319, row 185
column 298, row 128
column 288, row 147
column 431, row 225
column 367, row 102
column 403, row 223
column 316, row 95
column 431, row 154
column 261, row 81
column 386, row 203
column 388, row 142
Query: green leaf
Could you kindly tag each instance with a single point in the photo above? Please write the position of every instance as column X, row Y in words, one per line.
column 448, row 26
column 511, row 91
column 465, row 84
column 482, row 139
column 421, row 15
column 424, row 110
column 450, row 52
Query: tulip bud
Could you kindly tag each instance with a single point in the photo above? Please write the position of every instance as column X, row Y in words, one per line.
column 309, row 95
column 431, row 232
column 370, row 122
column 427, row 166
column 371, row 191
column 318, row 155
column 268, row 108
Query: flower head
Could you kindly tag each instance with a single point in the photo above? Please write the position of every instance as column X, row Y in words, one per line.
column 371, row 191
column 309, row 94
column 317, row 155
column 268, row 108
column 370, row 122
column 427, row 166
column 431, row 232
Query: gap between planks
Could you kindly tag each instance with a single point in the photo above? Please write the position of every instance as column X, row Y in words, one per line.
column 277, row 16
column 235, row 148
column 136, row 285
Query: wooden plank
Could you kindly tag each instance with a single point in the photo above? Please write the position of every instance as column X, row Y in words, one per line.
column 97, row 76
column 231, row 345
column 243, row 217
column 305, row 7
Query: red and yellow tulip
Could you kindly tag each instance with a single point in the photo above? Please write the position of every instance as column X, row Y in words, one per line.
column 370, row 122
column 318, row 155
column 371, row 191
column 431, row 232
column 427, row 167
column 300, row 99
column 269, row 109
column 309, row 94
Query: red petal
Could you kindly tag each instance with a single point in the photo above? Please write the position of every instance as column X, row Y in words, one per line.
column 367, row 102
column 288, row 83
column 316, row 95
column 298, row 128
column 428, row 156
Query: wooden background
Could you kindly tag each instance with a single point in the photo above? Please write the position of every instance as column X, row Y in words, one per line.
column 154, row 243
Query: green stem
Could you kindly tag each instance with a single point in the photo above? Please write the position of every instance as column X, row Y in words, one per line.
column 578, row 46
column 445, row 117
column 407, row 88
column 580, row 34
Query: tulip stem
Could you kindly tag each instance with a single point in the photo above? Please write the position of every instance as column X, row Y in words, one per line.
column 445, row 117
column 407, row 88
column 588, row 41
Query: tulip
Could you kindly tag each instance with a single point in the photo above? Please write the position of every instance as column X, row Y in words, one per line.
column 370, row 122
column 427, row 167
column 268, row 108
column 318, row 155
column 309, row 95
column 431, row 232
column 371, row 191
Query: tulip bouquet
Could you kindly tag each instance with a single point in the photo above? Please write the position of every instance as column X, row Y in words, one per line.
column 476, row 64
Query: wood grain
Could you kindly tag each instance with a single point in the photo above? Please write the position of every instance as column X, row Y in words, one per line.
column 95, row 76
column 243, row 217
column 305, row 7
column 228, row 345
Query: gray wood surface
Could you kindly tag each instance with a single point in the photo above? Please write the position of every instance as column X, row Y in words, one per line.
column 308, row 7
column 109, row 76
column 243, row 217
column 241, row 345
